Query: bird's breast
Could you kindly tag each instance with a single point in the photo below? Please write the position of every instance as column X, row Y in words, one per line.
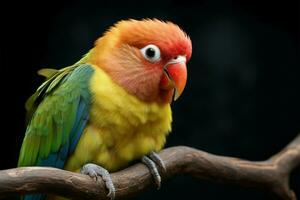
column 121, row 128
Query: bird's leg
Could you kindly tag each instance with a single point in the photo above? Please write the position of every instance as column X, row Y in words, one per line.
column 152, row 161
column 94, row 171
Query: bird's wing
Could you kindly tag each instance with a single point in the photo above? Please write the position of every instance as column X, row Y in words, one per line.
column 53, row 79
column 59, row 119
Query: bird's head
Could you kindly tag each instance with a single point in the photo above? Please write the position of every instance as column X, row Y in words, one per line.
column 147, row 58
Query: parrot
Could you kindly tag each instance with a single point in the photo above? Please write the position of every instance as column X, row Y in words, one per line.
column 110, row 108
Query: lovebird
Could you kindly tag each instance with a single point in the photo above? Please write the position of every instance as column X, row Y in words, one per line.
column 112, row 106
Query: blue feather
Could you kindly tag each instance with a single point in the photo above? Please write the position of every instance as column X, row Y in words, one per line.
column 81, row 120
column 34, row 197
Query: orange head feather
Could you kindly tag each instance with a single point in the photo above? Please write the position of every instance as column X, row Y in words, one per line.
column 147, row 58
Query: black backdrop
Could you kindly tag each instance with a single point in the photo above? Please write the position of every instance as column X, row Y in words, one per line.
column 243, row 93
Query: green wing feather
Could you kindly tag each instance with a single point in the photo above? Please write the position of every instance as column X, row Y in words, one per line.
column 53, row 78
column 47, row 72
column 54, row 110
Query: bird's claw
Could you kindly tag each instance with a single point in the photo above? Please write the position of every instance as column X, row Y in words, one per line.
column 94, row 171
column 152, row 161
column 155, row 157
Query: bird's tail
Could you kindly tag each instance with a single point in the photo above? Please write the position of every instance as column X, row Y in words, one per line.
column 34, row 197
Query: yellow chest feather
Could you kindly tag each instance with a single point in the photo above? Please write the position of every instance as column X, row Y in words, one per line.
column 121, row 127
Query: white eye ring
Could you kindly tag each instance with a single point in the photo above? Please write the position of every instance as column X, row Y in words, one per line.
column 151, row 53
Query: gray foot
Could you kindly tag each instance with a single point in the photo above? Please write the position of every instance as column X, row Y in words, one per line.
column 158, row 161
column 152, row 161
column 94, row 171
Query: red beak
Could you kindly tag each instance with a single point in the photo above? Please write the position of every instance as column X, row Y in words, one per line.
column 174, row 77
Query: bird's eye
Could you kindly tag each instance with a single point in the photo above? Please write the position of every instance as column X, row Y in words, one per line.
column 151, row 53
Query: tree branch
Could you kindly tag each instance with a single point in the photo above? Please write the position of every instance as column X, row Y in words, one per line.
column 271, row 175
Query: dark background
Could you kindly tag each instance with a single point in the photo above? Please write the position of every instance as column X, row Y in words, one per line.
column 243, row 94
